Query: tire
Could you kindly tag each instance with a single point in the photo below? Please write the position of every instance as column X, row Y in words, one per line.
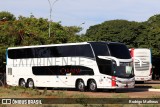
column 92, row 86
column 22, row 83
column 30, row 83
column 80, row 85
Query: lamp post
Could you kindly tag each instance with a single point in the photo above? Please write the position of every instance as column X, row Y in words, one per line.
column 81, row 27
column 50, row 11
column 81, row 24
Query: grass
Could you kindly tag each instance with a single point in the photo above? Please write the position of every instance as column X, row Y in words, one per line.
column 120, row 95
column 26, row 91
column 155, row 96
column 156, row 87
column 78, row 96
column 20, row 92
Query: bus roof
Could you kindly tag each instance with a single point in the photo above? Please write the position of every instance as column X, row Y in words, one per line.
column 63, row 44
column 80, row 43
column 106, row 42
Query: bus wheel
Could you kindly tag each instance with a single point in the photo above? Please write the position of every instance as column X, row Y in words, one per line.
column 22, row 83
column 30, row 83
column 80, row 85
column 92, row 86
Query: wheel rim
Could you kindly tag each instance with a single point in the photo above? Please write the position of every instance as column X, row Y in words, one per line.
column 92, row 86
column 30, row 84
column 81, row 85
column 22, row 83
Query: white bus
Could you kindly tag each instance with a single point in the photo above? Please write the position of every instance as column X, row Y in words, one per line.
column 143, row 72
column 87, row 65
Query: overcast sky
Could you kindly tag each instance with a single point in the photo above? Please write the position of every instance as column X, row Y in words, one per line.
column 76, row 12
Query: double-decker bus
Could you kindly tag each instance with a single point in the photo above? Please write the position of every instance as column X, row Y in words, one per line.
column 143, row 71
column 87, row 65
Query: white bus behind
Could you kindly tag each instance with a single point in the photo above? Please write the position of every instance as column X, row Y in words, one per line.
column 143, row 72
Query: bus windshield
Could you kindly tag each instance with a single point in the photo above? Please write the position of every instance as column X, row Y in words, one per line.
column 125, row 70
column 119, row 51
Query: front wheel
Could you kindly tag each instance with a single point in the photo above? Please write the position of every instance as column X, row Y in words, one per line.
column 80, row 85
column 30, row 83
column 92, row 86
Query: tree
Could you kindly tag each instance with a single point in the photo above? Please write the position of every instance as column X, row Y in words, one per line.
column 116, row 31
column 153, row 24
column 133, row 34
column 25, row 31
column 7, row 16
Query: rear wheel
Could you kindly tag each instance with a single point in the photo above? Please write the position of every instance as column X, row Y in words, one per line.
column 30, row 83
column 92, row 85
column 22, row 83
column 80, row 85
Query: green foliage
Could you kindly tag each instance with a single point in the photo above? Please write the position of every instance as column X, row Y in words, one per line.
column 133, row 34
column 116, row 31
column 6, row 16
column 25, row 31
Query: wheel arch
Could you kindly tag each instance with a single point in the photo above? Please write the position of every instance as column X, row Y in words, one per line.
column 85, row 82
column 90, row 85
column 20, row 80
column 29, row 79
column 90, row 80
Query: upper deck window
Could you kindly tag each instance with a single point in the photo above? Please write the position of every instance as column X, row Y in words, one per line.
column 52, row 51
column 119, row 51
column 100, row 49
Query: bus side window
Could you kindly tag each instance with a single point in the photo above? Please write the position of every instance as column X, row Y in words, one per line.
column 105, row 66
column 84, row 51
column 66, row 51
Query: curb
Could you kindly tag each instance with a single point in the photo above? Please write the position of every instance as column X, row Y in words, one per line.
column 155, row 90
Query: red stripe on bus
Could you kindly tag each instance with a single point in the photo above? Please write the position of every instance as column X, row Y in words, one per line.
column 113, row 81
column 132, row 52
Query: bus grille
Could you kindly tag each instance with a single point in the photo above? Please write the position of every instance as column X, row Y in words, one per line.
column 145, row 66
